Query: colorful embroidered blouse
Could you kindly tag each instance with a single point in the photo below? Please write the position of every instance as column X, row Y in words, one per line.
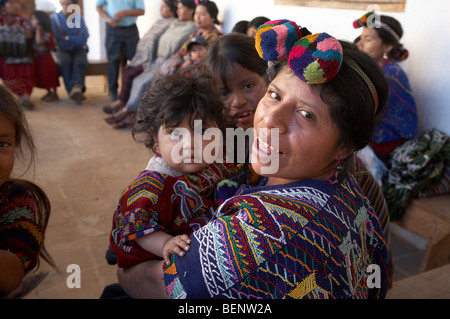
column 308, row 239
column 399, row 117
column 19, row 231
column 158, row 201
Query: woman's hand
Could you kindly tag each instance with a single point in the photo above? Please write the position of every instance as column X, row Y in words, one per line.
column 176, row 245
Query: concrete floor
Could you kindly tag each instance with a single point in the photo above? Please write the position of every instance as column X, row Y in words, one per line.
column 84, row 164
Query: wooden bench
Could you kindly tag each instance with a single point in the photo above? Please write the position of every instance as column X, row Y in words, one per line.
column 99, row 67
column 429, row 218
column 432, row 284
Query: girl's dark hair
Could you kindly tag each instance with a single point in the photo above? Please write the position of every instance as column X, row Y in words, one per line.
column 350, row 100
column 233, row 47
column 173, row 98
column 398, row 51
column 44, row 20
column 24, row 146
column 212, row 10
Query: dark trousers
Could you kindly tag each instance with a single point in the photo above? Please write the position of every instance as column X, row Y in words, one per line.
column 73, row 66
column 120, row 46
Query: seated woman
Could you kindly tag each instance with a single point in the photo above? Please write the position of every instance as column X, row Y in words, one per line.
column 307, row 231
column 398, row 122
column 146, row 52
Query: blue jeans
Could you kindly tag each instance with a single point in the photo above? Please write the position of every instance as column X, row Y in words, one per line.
column 73, row 66
column 120, row 43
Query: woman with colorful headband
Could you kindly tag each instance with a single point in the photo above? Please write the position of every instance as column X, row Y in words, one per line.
column 307, row 231
column 380, row 39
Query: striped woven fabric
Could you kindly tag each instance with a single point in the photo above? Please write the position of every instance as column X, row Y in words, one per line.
column 307, row 239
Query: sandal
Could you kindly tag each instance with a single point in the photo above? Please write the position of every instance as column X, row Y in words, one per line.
column 127, row 122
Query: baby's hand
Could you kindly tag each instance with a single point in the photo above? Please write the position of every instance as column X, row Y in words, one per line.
column 176, row 245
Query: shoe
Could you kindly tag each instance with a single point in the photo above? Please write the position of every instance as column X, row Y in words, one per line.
column 76, row 94
column 50, row 97
column 27, row 104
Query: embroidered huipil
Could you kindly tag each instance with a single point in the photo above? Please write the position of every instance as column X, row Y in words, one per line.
column 307, row 239
column 158, row 201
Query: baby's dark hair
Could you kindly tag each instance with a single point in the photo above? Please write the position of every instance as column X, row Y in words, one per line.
column 171, row 99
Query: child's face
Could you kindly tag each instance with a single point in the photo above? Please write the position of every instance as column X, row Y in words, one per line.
column 12, row 7
column 183, row 150
column 197, row 52
column 34, row 21
column 7, row 146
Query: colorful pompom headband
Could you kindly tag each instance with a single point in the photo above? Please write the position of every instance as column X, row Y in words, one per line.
column 314, row 58
column 362, row 22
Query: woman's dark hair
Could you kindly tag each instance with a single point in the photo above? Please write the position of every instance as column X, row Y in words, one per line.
column 172, row 4
column 398, row 51
column 24, row 147
column 241, row 27
column 258, row 21
column 44, row 20
column 234, row 47
column 212, row 10
column 350, row 99
column 173, row 98
column 188, row 3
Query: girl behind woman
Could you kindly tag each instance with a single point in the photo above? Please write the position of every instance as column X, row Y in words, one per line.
column 47, row 72
column 24, row 206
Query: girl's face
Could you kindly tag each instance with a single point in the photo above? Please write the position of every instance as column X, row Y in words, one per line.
column 183, row 149
column 7, row 146
column 184, row 13
column 308, row 137
column 12, row 7
column 245, row 89
column 165, row 11
column 371, row 44
column 202, row 18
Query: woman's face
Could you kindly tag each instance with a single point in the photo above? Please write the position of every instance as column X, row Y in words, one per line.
column 165, row 11
column 7, row 146
column 12, row 7
column 371, row 44
column 307, row 145
column 202, row 18
column 245, row 89
column 184, row 13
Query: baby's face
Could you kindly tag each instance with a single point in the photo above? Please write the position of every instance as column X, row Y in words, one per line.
column 189, row 150
column 197, row 52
